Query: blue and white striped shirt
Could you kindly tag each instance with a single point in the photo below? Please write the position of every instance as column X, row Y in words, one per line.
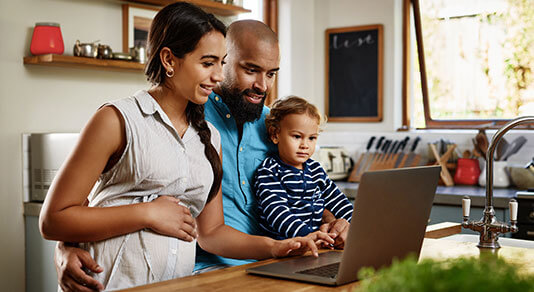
column 291, row 201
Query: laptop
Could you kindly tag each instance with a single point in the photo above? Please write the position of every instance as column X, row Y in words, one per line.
column 391, row 212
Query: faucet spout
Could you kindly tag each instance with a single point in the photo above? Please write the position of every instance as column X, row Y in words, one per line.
column 488, row 226
column 491, row 152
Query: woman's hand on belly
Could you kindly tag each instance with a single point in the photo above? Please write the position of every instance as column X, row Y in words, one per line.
column 167, row 217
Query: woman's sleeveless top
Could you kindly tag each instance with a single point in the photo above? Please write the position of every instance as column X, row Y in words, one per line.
column 156, row 162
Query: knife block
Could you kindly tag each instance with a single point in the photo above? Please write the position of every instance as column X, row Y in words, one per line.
column 380, row 161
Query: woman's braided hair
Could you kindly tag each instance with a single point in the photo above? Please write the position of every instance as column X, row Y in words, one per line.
column 179, row 27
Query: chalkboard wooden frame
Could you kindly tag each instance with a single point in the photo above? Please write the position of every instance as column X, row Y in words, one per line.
column 375, row 94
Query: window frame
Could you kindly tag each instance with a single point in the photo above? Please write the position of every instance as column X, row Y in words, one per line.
column 410, row 6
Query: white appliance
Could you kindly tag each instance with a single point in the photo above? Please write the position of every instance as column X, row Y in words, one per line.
column 47, row 154
column 335, row 161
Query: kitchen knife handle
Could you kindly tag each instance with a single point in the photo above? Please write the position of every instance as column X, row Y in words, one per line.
column 395, row 147
column 404, row 143
column 370, row 143
column 379, row 143
column 414, row 146
column 386, row 146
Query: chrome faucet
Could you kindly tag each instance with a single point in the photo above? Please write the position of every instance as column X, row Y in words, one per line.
column 488, row 226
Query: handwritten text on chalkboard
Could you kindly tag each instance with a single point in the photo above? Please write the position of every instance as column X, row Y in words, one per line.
column 347, row 44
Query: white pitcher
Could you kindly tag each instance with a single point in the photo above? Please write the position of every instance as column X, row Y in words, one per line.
column 500, row 176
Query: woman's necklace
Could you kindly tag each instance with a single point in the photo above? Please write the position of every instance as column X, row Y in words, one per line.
column 182, row 131
column 177, row 124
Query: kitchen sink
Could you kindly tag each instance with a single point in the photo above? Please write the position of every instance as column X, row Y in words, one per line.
column 503, row 241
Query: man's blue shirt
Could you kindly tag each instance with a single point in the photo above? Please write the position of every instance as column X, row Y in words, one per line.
column 240, row 161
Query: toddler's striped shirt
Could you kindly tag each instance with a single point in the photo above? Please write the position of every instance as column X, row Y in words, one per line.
column 291, row 201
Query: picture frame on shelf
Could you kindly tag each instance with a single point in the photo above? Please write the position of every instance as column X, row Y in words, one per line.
column 136, row 20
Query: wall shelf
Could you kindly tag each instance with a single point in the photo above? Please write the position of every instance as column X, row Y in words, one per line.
column 82, row 62
column 209, row 6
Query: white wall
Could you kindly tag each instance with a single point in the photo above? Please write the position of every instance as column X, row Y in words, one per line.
column 302, row 26
column 47, row 99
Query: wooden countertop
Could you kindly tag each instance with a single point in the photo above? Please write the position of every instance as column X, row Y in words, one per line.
column 236, row 279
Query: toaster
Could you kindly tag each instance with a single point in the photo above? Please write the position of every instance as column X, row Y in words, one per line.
column 47, row 154
column 335, row 161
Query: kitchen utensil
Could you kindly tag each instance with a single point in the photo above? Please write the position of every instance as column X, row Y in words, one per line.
column 467, row 171
column 138, row 54
column 374, row 156
column 384, row 150
column 502, row 147
column 378, row 155
column 442, row 161
column 121, row 56
column 104, row 52
column 391, row 150
column 356, row 171
column 482, row 141
column 411, row 157
column 89, row 50
column 390, row 163
column 476, row 150
column 466, row 154
column 47, row 39
column 384, row 161
column 402, row 154
column 516, row 144
column 367, row 148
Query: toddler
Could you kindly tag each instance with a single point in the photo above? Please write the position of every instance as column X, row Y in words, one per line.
column 292, row 189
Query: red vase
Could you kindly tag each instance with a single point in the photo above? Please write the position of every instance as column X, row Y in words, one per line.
column 467, row 171
column 47, row 39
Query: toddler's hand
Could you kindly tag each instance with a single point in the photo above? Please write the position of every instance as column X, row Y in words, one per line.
column 300, row 245
column 339, row 228
column 168, row 217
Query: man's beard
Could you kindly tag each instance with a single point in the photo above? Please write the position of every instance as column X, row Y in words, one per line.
column 242, row 110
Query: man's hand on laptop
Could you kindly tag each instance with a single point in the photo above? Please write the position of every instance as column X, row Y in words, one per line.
column 338, row 228
column 300, row 245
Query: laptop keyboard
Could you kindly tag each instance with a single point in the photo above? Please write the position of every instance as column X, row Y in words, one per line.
column 328, row 271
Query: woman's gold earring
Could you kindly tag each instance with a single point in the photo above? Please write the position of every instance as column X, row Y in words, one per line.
column 169, row 73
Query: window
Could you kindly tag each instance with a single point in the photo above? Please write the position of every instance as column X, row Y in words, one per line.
column 477, row 63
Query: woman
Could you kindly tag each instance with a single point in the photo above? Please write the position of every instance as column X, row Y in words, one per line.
column 157, row 166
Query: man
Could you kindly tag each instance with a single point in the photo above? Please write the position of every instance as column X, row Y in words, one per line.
column 237, row 110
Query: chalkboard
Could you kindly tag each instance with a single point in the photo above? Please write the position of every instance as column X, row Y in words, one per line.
column 354, row 74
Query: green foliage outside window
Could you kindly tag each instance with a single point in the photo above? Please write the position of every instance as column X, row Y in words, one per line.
column 479, row 59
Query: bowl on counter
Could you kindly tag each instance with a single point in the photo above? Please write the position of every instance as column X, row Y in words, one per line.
column 522, row 177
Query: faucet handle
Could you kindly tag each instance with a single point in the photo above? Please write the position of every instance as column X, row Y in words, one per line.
column 466, row 206
column 513, row 210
